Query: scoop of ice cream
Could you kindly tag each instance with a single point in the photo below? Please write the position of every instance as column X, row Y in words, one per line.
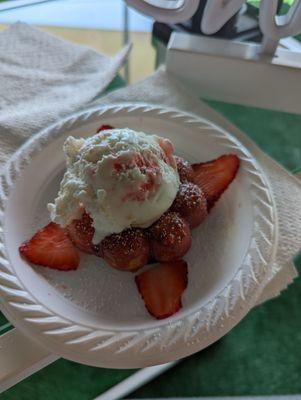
column 121, row 177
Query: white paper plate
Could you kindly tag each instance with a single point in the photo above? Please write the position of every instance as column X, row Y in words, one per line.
column 95, row 315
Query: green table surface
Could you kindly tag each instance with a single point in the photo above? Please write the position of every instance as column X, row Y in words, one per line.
column 260, row 356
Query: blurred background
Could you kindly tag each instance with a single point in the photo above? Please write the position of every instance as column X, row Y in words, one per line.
column 106, row 24
column 101, row 24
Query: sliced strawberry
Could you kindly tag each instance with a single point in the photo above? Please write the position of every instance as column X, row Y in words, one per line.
column 81, row 233
column 51, row 247
column 213, row 177
column 161, row 288
column 104, row 128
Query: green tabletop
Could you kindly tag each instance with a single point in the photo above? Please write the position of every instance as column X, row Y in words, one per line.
column 260, row 356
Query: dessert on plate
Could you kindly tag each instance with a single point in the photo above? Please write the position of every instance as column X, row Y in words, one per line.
column 127, row 198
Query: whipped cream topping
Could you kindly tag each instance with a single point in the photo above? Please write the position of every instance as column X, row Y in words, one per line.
column 121, row 177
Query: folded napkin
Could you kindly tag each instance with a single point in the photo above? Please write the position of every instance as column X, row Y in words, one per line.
column 163, row 89
column 43, row 78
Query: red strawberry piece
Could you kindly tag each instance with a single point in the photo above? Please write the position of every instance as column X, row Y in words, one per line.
column 161, row 288
column 213, row 177
column 51, row 247
column 81, row 233
column 104, row 128
column 190, row 203
column 185, row 170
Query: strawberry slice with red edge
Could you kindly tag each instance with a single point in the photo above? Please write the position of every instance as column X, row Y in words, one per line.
column 161, row 288
column 213, row 177
column 51, row 247
column 104, row 128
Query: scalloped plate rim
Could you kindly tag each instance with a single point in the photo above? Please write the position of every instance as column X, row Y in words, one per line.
column 79, row 120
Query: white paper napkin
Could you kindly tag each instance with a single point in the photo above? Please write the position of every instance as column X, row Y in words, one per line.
column 163, row 89
column 43, row 78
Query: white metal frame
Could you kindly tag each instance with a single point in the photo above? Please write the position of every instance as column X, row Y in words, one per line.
column 21, row 357
column 236, row 72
